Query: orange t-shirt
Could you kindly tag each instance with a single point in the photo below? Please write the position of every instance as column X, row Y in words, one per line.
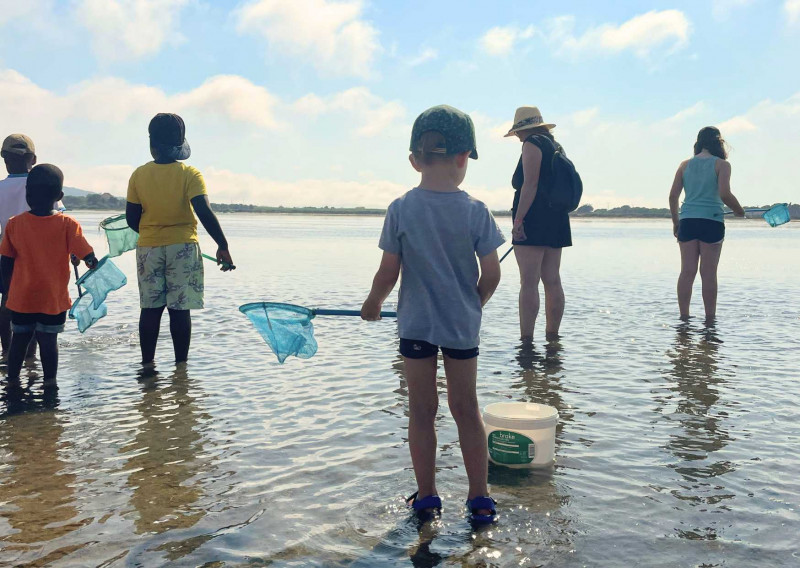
column 40, row 247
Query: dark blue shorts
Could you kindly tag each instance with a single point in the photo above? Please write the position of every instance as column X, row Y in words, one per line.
column 704, row 230
column 415, row 349
column 45, row 323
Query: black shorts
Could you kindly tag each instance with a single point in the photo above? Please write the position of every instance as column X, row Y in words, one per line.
column 45, row 323
column 704, row 230
column 415, row 349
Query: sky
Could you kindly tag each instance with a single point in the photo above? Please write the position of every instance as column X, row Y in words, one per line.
column 311, row 102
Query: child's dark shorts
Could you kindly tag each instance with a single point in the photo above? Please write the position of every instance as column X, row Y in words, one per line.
column 415, row 349
column 45, row 323
column 705, row 230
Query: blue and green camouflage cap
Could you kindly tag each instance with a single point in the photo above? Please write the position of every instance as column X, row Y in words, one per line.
column 455, row 126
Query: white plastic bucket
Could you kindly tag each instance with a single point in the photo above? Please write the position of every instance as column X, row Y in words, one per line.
column 521, row 434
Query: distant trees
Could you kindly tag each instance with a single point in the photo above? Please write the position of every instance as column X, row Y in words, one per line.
column 106, row 201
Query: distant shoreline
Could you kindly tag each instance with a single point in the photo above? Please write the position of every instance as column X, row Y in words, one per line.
column 107, row 202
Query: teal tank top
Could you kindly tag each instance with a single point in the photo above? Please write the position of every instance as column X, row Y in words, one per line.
column 702, row 199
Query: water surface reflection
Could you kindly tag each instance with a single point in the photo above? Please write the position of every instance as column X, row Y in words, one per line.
column 697, row 404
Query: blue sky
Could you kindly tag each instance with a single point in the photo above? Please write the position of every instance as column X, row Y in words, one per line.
column 310, row 102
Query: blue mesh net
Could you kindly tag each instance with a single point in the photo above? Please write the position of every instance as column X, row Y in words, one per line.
column 86, row 314
column 286, row 328
column 777, row 215
column 121, row 238
column 105, row 278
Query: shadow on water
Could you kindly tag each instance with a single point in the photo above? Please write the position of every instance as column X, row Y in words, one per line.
column 694, row 385
column 36, row 485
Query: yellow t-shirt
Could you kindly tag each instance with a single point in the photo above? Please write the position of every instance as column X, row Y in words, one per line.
column 165, row 192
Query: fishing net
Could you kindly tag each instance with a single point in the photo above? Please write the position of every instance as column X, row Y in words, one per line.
column 777, row 215
column 86, row 314
column 121, row 238
column 286, row 328
column 105, row 278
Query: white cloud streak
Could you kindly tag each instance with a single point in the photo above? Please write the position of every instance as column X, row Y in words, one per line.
column 332, row 36
column 501, row 40
column 722, row 9
column 642, row 34
column 130, row 29
column 792, row 10
column 372, row 114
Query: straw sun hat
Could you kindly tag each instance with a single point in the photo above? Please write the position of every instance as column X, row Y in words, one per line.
column 528, row 117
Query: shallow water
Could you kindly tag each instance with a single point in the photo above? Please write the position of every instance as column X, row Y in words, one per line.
column 677, row 444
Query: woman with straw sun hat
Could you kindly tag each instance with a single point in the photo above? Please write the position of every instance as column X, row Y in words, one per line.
column 540, row 232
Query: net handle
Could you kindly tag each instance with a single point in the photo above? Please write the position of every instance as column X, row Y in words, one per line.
column 327, row 312
column 781, row 205
column 211, row 258
column 77, row 276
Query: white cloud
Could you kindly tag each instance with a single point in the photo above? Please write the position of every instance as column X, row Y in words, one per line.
column 425, row 55
column 130, row 29
column 792, row 9
column 585, row 117
column 682, row 115
column 236, row 98
column 736, row 125
column 330, row 35
column 12, row 11
column 500, row 40
column 723, row 8
column 372, row 114
column 115, row 101
column 235, row 187
column 641, row 34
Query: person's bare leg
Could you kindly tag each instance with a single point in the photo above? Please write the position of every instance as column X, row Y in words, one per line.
column 553, row 291
column 690, row 256
column 529, row 260
column 709, row 261
column 463, row 401
column 423, row 403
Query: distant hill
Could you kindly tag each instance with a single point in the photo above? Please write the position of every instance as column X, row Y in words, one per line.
column 75, row 192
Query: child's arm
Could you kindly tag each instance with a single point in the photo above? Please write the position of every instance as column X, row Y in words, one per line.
column 724, row 184
column 7, row 270
column 211, row 224
column 382, row 286
column 133, row 215
column 490, row 276
column 674, row 197
column 531, row 168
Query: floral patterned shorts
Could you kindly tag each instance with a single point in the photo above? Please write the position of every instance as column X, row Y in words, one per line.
column 170, row 276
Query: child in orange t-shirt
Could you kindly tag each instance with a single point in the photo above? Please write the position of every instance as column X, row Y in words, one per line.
column 35, row 251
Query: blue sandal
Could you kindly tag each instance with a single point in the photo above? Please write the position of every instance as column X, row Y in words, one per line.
column 423, row 506
column 478, row 503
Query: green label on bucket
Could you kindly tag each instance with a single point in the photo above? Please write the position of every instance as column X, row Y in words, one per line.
column 511, row 448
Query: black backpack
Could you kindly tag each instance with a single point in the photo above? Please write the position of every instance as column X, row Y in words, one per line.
column 564, row 187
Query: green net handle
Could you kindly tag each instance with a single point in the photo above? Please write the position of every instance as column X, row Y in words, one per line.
column 211, row 258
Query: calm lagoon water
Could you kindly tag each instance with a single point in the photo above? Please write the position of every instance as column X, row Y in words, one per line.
column 677, row 446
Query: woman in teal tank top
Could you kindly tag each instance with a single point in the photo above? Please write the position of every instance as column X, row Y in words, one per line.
column 699, row 225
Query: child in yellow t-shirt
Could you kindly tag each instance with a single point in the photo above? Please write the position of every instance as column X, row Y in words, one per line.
column 161, row 197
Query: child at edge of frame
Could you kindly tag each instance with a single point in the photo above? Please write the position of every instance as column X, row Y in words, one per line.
column 36, row 250
column 445, row 244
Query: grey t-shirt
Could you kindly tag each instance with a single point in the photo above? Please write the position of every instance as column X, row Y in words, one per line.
column 438, row 236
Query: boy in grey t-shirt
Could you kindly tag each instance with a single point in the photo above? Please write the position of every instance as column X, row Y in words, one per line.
column 438, row 236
